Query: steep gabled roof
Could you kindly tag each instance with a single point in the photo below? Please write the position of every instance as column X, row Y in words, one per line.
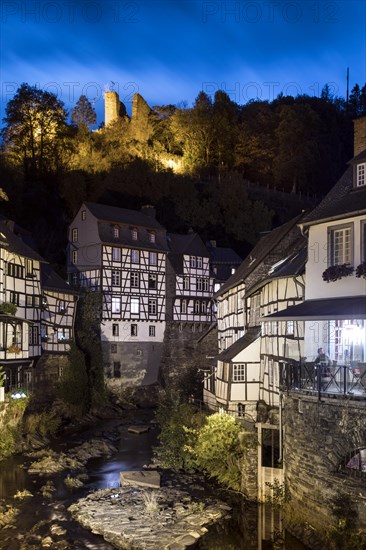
column 123, row 216
column 15, row 244
column 232, row 351
column 50, row 280
column 190, row 244
column 341, row 200
column 264, row 246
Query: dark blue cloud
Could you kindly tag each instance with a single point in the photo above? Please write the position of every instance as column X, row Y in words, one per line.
column 169, row 51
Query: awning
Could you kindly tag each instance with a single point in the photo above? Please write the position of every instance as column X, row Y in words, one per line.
column 251, row 336
column 353, row 307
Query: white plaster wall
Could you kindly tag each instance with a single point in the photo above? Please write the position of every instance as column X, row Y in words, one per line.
column 125, row 331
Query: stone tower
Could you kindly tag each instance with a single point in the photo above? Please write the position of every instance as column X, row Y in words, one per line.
column 113, row 108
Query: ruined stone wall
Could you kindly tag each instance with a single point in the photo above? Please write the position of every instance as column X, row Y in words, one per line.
column 318, row 436
column 184, row 346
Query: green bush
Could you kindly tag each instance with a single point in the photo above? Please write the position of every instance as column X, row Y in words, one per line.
column 73, row 385
column 8, row 308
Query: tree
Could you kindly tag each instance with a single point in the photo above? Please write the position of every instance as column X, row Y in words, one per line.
column 73, row 384
column 83, row 114
column 35, row 124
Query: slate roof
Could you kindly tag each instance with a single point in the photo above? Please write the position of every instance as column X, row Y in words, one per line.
column 191, row 244
column 350, row 307
column 249, row 337
column 263, row 247
column 123, row 216
column 50, row 280
column 223, row 259
column 15, row 244
column 342, row 199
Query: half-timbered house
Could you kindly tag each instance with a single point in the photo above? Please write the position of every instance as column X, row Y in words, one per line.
column 122, row 253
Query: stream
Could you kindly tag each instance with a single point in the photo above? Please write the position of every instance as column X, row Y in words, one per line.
column 40, row 517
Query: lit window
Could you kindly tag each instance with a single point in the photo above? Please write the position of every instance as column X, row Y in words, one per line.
column 134, row 234
column 135, row 279
column 340, row 245
column 361, row 174
column 115, row 232
column 152, row 237
column 116, row 304
column 133, row 330
column 152, row 281
column 135, row 256
column 153, row 258
column 61, row 306
column 29, row 268
column 290, row 328
column 152, row 330
column 115, row 329
column 116, row 254
column 74, row 256
column 152, row 307
column 83, row 215
column 239, row 373
column 116, row 277
column 135, row 305
column 74, row 235
column 63, row 334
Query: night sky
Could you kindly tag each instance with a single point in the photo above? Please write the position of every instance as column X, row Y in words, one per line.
column 169, row 51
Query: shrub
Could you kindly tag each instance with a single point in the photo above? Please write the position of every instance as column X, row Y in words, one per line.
column 335, row 272
column 8, row 308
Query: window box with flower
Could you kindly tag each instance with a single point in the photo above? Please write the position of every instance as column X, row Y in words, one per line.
column 335, row 272
column 361, row 270
column 14, row 349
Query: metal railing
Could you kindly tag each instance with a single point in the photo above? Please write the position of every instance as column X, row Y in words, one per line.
column 320, row 379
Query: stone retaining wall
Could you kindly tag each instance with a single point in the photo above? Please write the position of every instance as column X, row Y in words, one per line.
column 318, row 438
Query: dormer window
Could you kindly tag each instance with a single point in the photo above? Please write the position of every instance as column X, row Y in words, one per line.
column 152, row 236
column 361, row 174
column 134, row 234
column 115, row 232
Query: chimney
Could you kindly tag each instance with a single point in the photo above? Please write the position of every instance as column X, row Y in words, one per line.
column 149, row 210
column 359, row 135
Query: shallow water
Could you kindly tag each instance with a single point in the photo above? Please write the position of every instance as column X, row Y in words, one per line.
column 249, row 529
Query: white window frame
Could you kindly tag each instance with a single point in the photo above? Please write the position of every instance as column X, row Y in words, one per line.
column 199, row 262
column 116, row 304
column 115, row 329
column 115, row 232
column 116, row 277
column 239, row 372
column 83, row 215
column 134, row 234
column 74, row 235
column 134, row 279
column 192, row 261
column 186, row 282
column 152, row 237
column 74, row 257
column 340, row 244
column 153, row 281
column 116, row 254
column 361, row 174
column 135, row 256
column 152, row 331
column 183, row 306
column 134, row 330
column 135, row 306
column 153, row 258
column 152, row 306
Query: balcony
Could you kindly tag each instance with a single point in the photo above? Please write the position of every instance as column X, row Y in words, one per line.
column 321, row 380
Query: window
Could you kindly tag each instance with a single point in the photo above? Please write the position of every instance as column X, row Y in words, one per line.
column 83, row 215
column 199, row 262
column 115, row 329
column 152, row 307
column 203, row 307
column 135, row 305
column 62, row 334
column 116, row 304
column 361, row 171
column 134, row 234
column 202, row 284
column 239, row 373
column 44, row 333
column 196, row 306
column 36, row 301
column 152, row 330
column 116, row 254
column 61, row 306
column 29, row 300
column 290, row 328
column 113, row 348
column 116, row 369
column 115, row 232
column 75, row 279
column 74, row 235
column 153, row 258
column 15, row 270
column 183, row 306
column 192, row 261
column 116, row 277
column 152, row 281
column 133, row 330
column 135, row 256
column 152, row 236
column 134, row 279
column 241, row 409
column 33, row 336
column 363, row 241
column 14, row 297
column 74, row 256
column 340, row 245
column 186, row 283
column 29, row 268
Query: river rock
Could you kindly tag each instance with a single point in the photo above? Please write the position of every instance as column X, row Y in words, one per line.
column 138, row 429
column 149, row 478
